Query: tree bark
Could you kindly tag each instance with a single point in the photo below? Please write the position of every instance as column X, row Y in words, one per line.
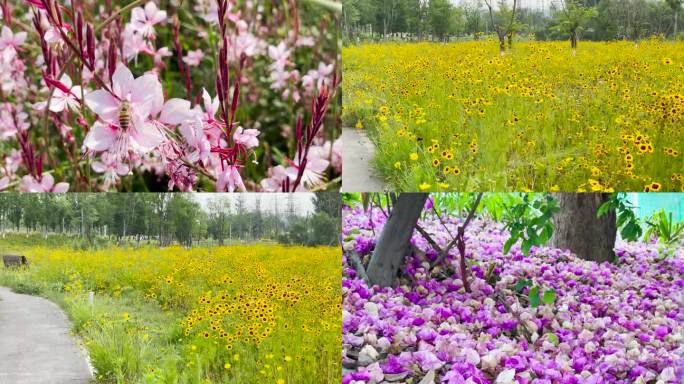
column 578, row 229
column 395, row 238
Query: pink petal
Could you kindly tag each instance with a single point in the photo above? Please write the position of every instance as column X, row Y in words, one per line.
column 100, row 138
column 47, row 182
column 175, row 111
column 122, row 81
column 146, row 137
column 122, row 169
column 143, row 94
column 104, row 105
column 98, row 166
column 138, row 15
column 61, row 188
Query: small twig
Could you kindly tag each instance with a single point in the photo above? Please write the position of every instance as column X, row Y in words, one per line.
column 356, row 263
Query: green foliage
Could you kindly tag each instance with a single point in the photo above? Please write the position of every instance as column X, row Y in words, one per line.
column 548, row 296
column 662, row 226
column 533, row 296
column 573, row 17
column 627, row 221
column 530, row 221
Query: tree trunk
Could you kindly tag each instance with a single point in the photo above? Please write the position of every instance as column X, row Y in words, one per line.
column 502, row 45
column 395, row 237
column 573, row 40
column 676, row 16
column 578, row 229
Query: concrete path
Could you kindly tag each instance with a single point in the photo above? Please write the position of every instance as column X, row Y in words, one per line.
column 357, row 153
column 35, row 344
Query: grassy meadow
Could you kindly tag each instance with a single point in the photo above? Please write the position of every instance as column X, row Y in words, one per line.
column 461, row 117
column 234, row 314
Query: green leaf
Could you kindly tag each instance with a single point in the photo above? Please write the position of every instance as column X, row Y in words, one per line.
column 525, row 247
column 553, row 338
column 509, row 244
column 549, row 296
column 522, row 283
column 546, row 234
column 604, row 208
column 622, row 218
column 533, row 295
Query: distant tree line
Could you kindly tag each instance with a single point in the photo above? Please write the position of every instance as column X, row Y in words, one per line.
column 439, row 20
column 167, row 218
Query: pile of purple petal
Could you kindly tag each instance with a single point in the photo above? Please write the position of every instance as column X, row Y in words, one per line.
column 617, row 322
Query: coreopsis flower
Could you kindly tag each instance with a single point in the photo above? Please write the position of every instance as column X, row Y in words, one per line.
column 124, row 114
column 144, row 20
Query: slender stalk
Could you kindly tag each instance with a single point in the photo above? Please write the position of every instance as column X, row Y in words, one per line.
column 99, row 27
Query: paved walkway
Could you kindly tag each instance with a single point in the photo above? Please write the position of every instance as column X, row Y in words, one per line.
column 357, row 153
column 35, row 344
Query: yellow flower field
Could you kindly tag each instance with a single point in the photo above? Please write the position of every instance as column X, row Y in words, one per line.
column 238, row 314
column 462, row 117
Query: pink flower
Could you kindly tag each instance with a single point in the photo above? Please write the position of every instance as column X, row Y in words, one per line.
column 133, row 43
column 427, row 360
column 12, row 120
column 63, row 96
column 274, row 182
column 144, row 21
column 246, row 137
column 229, row 180
column 193, row 58
column 159, row 56
column 45, row 184
column 318, row 77
column 10, row 39
column 112, row 169
column 4, row 183
column 143, row 97
column 279, row 54
column 193, row 133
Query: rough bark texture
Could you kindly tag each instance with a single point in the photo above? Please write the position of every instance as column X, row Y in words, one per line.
column 578, row 229
column 391, row 248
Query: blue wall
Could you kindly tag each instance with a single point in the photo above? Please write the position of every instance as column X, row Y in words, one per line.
column 647, row 203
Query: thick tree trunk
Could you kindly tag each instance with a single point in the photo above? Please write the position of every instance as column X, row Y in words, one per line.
column 395, row 237
column 502, row 46
column 578, row 229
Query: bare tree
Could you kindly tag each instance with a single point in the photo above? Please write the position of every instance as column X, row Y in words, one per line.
column 503, row 21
